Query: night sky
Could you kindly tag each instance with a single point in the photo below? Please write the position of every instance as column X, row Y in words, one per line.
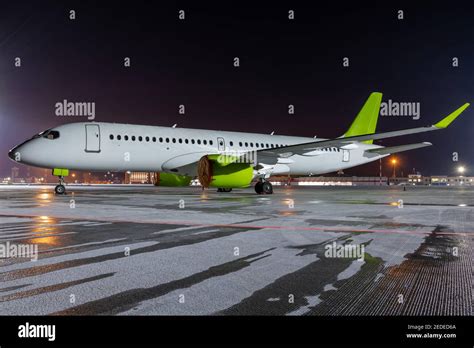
column 282, row 62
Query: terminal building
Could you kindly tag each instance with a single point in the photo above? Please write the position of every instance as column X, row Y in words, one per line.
column 412, row 179
column 43, row 176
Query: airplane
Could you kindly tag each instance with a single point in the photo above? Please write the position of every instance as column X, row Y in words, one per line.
column 219, row 159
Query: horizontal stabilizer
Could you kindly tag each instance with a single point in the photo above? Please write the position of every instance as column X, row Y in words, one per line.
column 399, row 148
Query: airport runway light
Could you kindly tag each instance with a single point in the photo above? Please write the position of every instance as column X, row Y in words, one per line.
column 461, row 170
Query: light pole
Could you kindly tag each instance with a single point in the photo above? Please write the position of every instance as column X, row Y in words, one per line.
column 380, row 172
column 461, row 170
column 394, row 162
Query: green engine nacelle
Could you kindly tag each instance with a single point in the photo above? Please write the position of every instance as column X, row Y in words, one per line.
column 222, row 172
column 170, row 179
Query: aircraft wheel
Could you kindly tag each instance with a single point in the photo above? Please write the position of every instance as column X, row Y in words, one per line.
column 259, row 187
column 60, row 190
column 267, row 188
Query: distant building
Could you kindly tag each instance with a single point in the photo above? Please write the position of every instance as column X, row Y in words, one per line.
column 138, row 178
column 460, row 180
column 332, row 181
column 412, row 179
column 415, row 179
column 15, row 174
column 86, row 178
column 438, row 180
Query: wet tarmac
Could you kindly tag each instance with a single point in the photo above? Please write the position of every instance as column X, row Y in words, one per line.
column 145, row 250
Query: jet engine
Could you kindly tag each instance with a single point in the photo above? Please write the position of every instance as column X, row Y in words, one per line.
column 222, row 171
column 170, row 179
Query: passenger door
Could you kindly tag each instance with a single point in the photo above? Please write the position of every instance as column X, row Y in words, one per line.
column 92, row 138
column 345, row 155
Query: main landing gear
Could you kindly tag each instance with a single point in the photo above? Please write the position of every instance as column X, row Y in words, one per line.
column 60, row 189
column 263, row 187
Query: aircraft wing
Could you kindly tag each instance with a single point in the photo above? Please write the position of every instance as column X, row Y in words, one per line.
column 400, row 148
column 301, row 149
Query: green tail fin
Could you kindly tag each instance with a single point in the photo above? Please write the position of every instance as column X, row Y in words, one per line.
column 366, row 119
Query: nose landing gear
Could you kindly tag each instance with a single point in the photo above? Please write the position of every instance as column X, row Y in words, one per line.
column 60, row 189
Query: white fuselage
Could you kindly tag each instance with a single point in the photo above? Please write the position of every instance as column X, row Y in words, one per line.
column 99, row 146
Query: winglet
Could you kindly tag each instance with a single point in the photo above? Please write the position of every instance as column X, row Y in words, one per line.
column 451, row 117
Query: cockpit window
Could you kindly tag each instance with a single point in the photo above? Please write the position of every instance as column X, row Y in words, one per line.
column 50, row 134
column 39, row 135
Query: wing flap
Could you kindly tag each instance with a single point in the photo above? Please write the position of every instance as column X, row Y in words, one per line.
column 399, row 148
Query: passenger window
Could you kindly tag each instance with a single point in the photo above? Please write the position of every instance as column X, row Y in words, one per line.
column 161, row 139
column 140, row 138
column 231, row 143
column 133, row 138
column 111, row 136
column 240, row 143
column 174, row 140
column 180, row 140
column 204, row 142
column 154, row 139
column 199, row 141
column 167, row 140
column 119, row 137
column 186, row 141
column 192, row 141
column 246, row 144
column 147, row 139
